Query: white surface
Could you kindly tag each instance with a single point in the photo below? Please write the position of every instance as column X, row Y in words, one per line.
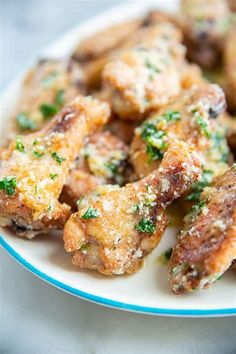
column 43, row 320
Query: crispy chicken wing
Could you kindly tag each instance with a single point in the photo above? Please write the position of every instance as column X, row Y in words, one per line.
column 103, row 160
column 146, row 76
column 187, row 118
column 34, row 168
column 46, row 89
column 230, row 69
column 229, row 123
column 207, row 245
column 116, row 227
column 204, row 25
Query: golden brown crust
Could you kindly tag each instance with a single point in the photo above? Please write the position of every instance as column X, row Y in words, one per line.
column 207, row 245
column 115, row 228
column 47, row 87
column 180, row 120
column 38, row 164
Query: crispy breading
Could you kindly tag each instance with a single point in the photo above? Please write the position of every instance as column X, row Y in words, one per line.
column 229, row 123
column 117, row 227
column 146, row 76
column 187, row 118
column 204, row 24
column 47, row 87
column 34, row 168
column 103, row 160
column 207, row 245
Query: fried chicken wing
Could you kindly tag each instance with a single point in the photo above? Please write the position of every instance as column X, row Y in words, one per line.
column 229, row 123
column 46, row 89
column 187, row 118
column 230, row 69
column 103, row 160
column 117, row 227
column 204, row 25
column 146, row 76
column 34, row 168
column 207, row 245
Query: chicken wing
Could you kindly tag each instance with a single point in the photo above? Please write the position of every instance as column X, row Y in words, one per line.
column 117, row 227
column 207, row 245
column 146, row 76
column 230, row 69
column 187, row 118
column 205, row 24
column 46, row 89
column 103, row 160
column 34, row 168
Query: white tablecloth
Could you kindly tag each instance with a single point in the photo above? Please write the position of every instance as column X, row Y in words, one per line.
column 36, row 318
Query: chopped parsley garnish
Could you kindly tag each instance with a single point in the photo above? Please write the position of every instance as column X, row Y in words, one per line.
column 59, row 99
column 49, row 79
column 38, row 154
column 198, row 187
column 155, row 141
column 19, row 145
column 25, row 123
column 113, row 167
column 90, row 213
column 48, row 110
column 58, row 158
column 152, row 67
column 84, row 248
column 53, row 175
column 145, row 225
column 171, row 116
column 8, row 184
column 204, row 126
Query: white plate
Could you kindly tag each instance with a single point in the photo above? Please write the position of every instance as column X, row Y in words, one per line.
column 148, row 290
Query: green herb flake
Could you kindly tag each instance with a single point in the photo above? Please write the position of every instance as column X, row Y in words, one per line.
column 53, row 176
column 91, row 213
column 19, row 145
column 84, row 248
column 194, row 211
column 113, row 167
column 59, row 99
column 25, row 123
column 38, row 154
column 48, row 110
column 172, row 116
column 155, row 141
column 204, row 127
column 58, row 158
column 152, row 67
column 8, row 184
column 145, row 226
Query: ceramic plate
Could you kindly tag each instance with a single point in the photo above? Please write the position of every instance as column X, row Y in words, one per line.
column 148, row 290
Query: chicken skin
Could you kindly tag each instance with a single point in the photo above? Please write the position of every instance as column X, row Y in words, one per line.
column 34, row 168
column 103, row 160
column 46, row 89
column 117, row 227
column 207, row 245
column 230, row 69
column 188, row 118
column 146, row 76
column 204, row 24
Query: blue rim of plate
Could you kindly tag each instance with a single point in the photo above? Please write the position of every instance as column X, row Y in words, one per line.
column 112, row 303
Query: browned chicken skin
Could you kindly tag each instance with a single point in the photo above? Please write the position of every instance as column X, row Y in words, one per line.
column 204, row 25
column 187, row 118
column 34, row 168
column 115, row 228
column 146, row 76
column 47, row 87
column 230, row 69
column 207, row 245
